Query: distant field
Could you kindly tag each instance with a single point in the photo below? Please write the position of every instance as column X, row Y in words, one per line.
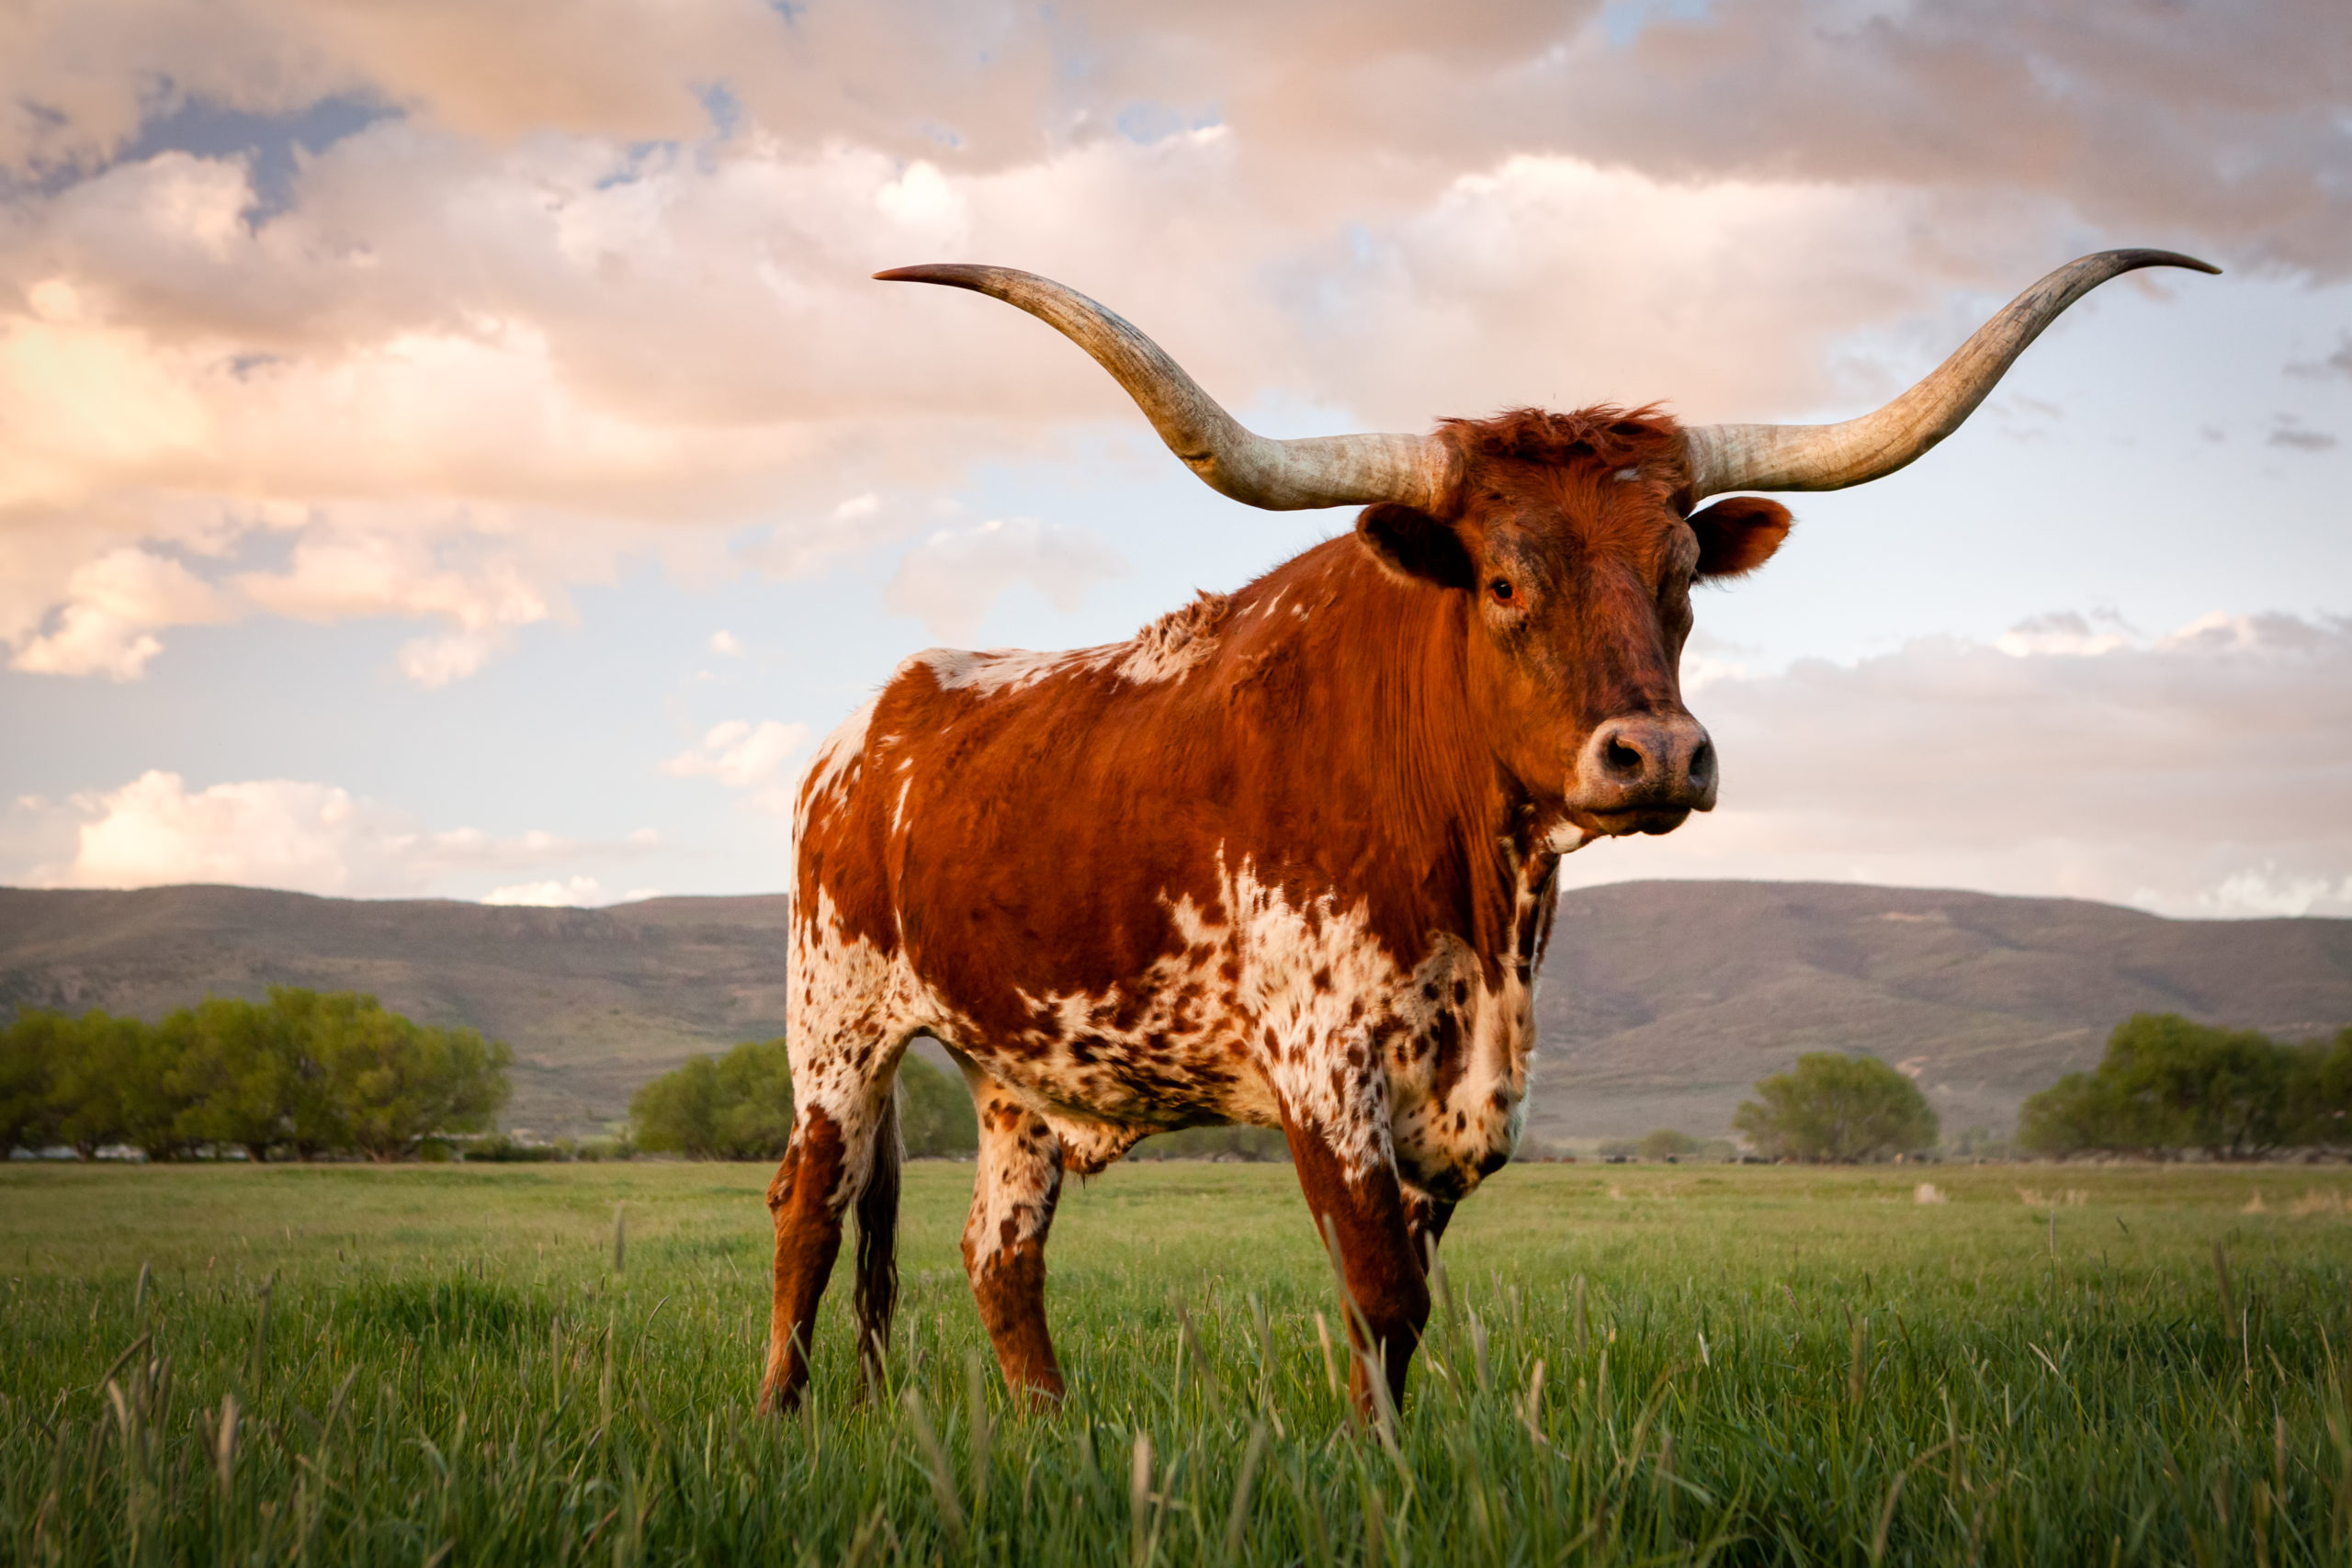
column 1770, row 1365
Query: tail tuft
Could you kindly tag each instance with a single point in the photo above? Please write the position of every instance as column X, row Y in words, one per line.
column 878, row 1241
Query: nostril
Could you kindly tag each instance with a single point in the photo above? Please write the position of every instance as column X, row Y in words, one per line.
column 1702, row 762
column 1619, row 757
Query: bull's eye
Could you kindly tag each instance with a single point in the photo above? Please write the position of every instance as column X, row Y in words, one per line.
column 1501, row 588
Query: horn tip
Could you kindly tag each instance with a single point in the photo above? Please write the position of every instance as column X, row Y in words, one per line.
column 2140, row 258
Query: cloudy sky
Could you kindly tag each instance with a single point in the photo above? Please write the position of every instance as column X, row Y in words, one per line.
column 454, row 449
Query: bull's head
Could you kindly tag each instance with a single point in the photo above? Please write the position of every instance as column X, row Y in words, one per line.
column 1578, row 535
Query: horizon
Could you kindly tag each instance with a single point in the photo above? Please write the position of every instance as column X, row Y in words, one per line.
column 623, row 903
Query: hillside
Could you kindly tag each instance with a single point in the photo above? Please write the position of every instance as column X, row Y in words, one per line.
column 1662, row 1000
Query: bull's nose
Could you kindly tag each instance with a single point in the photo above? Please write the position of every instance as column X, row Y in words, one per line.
column 1646, row 762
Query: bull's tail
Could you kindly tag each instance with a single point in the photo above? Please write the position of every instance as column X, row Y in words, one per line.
column 878, row 1246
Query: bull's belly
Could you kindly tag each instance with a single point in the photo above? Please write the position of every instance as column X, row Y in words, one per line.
column 1445, row 1131
column 1103, row 1094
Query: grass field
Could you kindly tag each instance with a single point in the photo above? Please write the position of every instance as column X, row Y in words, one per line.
column 441, row 1365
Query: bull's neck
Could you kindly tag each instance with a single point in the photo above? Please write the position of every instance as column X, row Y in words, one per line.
column 1393, row 761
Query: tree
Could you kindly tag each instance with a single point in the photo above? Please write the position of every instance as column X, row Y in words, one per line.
column 152, row 1088
column 1840, row 1108
column 241, row 1067
column 315, row 1124
column 390, row 1082
column 738, row 1106
column 97, row 1061
column 1666, row 1142
column 30, row 1049
column 755, row 1109
column 678, row 1112
column 2326, row 1092
column 2165, row 1084
column 2082, row 1111
column 2218, row 1090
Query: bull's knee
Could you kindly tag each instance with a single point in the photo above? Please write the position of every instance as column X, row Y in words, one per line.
column 1004, row 1240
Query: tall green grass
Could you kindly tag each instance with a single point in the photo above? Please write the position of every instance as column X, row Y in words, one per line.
column 436, row 1366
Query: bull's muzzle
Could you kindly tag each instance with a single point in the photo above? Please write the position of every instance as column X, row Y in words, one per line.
column 1643, row 773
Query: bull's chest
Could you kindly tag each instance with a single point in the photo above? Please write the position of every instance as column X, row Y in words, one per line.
column 1455, row 1072
column 1266, row 1007
column 1425, row 1063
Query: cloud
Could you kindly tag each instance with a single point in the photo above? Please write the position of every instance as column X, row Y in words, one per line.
column 953, row 577
column 2290, row 433
column 454, row 308
column 726, row 644
column 746, row 756
column 2200, row 772
column 2338, row 363
column 2065, row 632
column 577, row 892
column 112, row 604
column 308, row 837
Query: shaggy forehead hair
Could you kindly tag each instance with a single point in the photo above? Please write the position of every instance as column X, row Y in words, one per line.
column 1602, row 436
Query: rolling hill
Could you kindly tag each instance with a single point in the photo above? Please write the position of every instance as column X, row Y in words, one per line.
column 1662, row 1000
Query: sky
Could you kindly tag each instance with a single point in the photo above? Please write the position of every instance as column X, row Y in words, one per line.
column 455, row 449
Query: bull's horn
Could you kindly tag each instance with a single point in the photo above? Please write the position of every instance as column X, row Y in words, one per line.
column 1282, row 476
column 1831, row 456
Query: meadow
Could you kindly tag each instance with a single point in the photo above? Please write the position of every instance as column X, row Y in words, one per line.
column 443, row 1365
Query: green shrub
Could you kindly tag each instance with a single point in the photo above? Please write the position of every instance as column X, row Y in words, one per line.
column 2167, row 1085
column 1836, row 1108
column 1666, row 1142
column 738, row 1106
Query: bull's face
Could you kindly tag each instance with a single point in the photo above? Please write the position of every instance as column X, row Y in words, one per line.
column 1576, row 565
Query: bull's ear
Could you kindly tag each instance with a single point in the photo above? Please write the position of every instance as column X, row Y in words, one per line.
column 1411, row 542
column 1738, row 535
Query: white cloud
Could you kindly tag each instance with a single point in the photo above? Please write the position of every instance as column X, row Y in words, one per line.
column 726, row 644
column 2065, row 632
column 553, row 313
column 307, row 837
column 2201, row 772
column 2259, row 892
column 577, row 892
column 741, row 755
column 112, row 606
column 953, row 577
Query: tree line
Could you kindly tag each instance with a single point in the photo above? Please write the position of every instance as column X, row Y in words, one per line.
column 2167, row 1086
column 308, row 1075
column 304, row 1074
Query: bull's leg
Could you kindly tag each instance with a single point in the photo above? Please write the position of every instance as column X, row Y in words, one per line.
column 826, row 1167
column 1004, row 1240
column 1359, row 1206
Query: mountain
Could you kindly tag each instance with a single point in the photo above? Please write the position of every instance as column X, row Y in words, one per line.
column 1662, row 1001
